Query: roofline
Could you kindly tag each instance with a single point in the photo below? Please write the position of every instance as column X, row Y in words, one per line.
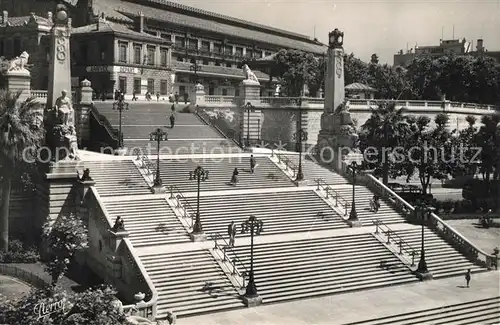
column 225, row 36
column 142, row 38
column 224, row 18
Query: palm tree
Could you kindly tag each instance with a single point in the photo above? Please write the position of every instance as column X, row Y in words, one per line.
column 21, row 134
column 385, row 128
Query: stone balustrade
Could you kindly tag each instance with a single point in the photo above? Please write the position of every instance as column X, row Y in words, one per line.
column 471, row 251
column 39, row 93
column 111, row 255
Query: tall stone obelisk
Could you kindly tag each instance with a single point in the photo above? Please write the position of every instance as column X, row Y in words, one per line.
column 337, row 138
column 60, row 61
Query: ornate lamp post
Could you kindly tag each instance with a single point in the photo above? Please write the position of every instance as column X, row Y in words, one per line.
column 120, row 105
column 353, row 216
column 200, row 175
column 251, row 296
column 300, row 136
column 249, row 107
column 158, row 135
column 424, row 212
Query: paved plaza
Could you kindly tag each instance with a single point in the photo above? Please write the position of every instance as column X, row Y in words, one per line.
column 359, row 306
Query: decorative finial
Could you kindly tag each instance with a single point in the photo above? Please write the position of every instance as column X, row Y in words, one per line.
column 336, row 39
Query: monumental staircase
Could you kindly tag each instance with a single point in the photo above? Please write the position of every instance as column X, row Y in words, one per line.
column 190, row 135
column 307, row 246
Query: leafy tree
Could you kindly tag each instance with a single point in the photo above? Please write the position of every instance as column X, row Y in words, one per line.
column 487, row 139
column 385, row 130
column 429, row 150
column 355, row 70
column 464, row 144
column 295, row 69
column 423, row 75
column 92, row 307
column 21, row 134
column 64, row 237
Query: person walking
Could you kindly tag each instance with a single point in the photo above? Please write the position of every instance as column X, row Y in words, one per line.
column 467, row 277
column 234, row 178
column 252, row 164
column 176, row 96
column 231, row 231
column 172, row 120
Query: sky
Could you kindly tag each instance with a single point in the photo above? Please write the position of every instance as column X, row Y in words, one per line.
column 381, row 27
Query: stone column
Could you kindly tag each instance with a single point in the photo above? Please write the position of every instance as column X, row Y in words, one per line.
column 114, row 263
column 250, row 91
column 82, row 188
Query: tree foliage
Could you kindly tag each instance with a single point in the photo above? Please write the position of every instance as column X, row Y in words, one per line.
column 94, row 306
column 21, row 134
column 63, row 238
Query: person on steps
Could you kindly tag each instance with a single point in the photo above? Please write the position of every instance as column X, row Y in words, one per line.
column 234, row 178
column 172, row 120
column 231, row 231
column 252, row 164
column 467, row 277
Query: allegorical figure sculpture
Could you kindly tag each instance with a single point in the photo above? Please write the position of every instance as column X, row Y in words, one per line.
column 249, row 75
column 72, row 144
column 64, row 108
column 19, row 63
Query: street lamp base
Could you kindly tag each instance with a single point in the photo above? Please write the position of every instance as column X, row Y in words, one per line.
column 158, row 189
column 424, row 276
column 252, row 301
column 354, row 223
column 198, row 236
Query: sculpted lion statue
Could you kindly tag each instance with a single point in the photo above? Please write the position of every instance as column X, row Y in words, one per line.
column 249, row 75
column 19, row 63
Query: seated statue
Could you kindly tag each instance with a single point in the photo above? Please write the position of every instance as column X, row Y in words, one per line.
column 19, row 63
column 64, row 108
column 249, row 75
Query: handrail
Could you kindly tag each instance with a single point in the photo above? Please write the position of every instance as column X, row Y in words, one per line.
column 403, row 245
column 288, row 163
column 450, row 234
column 182, row 203
column 320, row 183
column 104, row 122
column 206, row 119
column 244, row 274
column 148, row 165
column 148, row 308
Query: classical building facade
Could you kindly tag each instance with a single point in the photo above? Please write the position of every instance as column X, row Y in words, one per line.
column 205, row 47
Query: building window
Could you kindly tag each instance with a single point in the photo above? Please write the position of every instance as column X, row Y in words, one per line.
column 224, row 92
column 102, row 51
column 179, row 41
column 205, row 46
column 151, row 86
column 164, row 87
column 151, row 55
column 2, row 47
column 229, row 65
column 137, row 54
column 236, row 92
column 17, row 46
column 84, row 51
column 163, row 57
column 151, row 32
column 217, row 63
column 180, row 59
column 205, row 62
column 258, row 54
column 217, row 48
column 211, row 91
column 167, row 37
column 192, row 44
column 249, row 53
column 137, row 86
column 122, row 84
column 123, row 52
column 238, row 51
column 228, row 50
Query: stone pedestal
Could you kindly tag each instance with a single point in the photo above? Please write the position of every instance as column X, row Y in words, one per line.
column 19, row 80
column 249, row 90
column 198, row 237
column 158, row 189
column 83, row 187
column 82, row 111
column 252, row 301
column 115, row 238
column 427, row 276
column 354, row 223
column 199, row 94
